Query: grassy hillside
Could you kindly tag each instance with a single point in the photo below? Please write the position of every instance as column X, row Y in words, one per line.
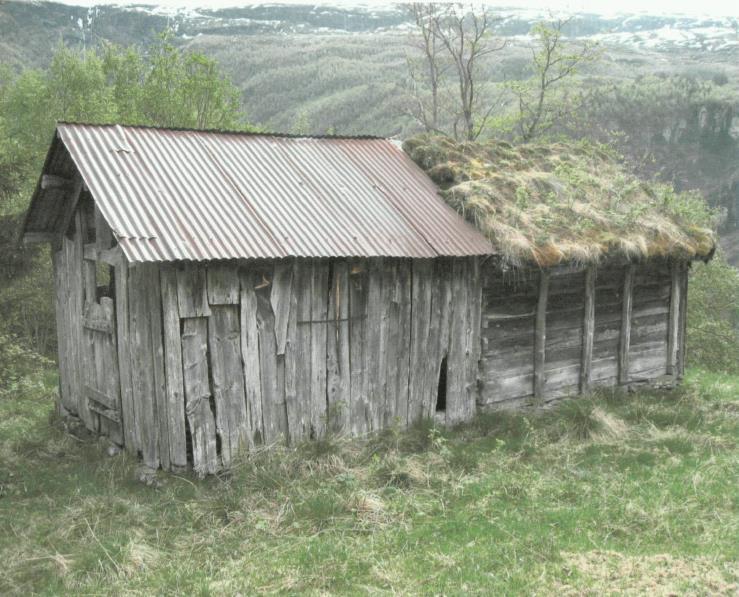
column 618, row 493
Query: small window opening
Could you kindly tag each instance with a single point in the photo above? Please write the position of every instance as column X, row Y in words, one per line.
column 441, row 391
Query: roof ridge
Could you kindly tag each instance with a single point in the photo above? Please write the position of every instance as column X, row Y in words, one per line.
column 223, row 131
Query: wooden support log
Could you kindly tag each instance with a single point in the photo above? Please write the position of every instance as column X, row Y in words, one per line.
column 173, row 368
column 30, row 238
column 131, row 439
column 588, row 329
column 673, row 340
column 50, row 181
column 683, row 320
column 624, row 345
column 540, row 338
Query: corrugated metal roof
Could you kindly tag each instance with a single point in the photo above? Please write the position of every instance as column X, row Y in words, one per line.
column 200, row 195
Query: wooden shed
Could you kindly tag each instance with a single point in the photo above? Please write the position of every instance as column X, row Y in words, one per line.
column 217, row 291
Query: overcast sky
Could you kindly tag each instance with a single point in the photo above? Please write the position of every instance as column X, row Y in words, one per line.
column 691, row 7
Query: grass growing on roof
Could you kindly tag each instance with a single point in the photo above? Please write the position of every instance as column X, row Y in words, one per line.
column 562, row 202
column 616, row 494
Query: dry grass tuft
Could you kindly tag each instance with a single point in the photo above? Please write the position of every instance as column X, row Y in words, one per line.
column 609, row 572
column 563, row 202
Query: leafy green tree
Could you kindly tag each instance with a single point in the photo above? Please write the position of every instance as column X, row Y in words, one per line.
column 553, row 60
column 164, row 87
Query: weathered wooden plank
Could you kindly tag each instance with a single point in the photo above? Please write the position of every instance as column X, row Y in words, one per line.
column 161, row 407
column 403, row 294
column 223, row 283
column 624, row 345
column 232, row 425
column 130, row 431
column 374, row 365
column 298, row 371
column 388, row 355
column 588, row 330
column 293, row 363
column 92, row 321
column 108, row 401
column 112, row 417
column 197, row 395
column 67, row 403
column 319, row 305
column 338, row 375
column 358, row 282
column 173, row 369
column 103, row 233
column 540, row 337
column 50, row 181
column 421, row 295
column 460, row 400
column 280, row 298
column 250, row 356
column 474, row 327
column 142, row 362
column 79, row 349
column 106, row 369
column 273, row 406
column 192, row 296
column 683, row 320
column 72, row 198
column 673, row 330
column 434, row 348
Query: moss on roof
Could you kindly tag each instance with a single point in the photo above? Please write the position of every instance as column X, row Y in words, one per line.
column 563, row 202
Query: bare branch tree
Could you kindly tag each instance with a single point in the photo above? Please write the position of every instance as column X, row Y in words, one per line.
column 455, row 38
column 553, row 60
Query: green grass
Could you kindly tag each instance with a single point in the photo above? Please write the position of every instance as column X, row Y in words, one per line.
column 620, row 493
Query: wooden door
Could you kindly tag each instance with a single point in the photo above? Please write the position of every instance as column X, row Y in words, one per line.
column 101, row 385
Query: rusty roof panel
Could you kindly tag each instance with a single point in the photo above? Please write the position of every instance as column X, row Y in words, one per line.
column 199, row 195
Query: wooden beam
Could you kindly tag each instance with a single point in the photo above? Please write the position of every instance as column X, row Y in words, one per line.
column 588, row 329
column 673, row 342
column 50, row 181
column 73, row 197
column 540, row 337
column 625, row 337
column 683, row 320
column 30, row 238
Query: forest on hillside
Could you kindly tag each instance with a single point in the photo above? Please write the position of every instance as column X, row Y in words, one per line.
column 671, row 120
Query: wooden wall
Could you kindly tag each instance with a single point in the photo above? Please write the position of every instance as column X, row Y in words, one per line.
column 224, row 357
column 560, row 332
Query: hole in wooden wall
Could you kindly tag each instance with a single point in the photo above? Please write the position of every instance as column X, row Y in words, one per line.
column 441, row 391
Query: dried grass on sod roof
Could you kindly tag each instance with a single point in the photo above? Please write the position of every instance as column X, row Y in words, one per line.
column 563, row 202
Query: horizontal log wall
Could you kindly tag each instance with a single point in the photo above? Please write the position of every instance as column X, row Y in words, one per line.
column 597, row 327
column 226, row 357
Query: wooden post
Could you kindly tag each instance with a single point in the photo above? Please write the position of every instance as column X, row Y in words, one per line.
column 540, row 338
column 130, row 430
column 588, row 329
column 683, row 319
column 625, row 338
column 673, row 343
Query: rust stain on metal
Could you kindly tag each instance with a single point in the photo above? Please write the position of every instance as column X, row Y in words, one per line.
column 200, row 195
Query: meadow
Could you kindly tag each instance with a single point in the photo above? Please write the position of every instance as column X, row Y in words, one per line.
column 614, row 493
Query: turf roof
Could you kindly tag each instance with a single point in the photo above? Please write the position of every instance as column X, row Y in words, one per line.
column 564, row 202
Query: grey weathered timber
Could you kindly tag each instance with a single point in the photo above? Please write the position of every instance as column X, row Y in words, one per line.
column 540, row 337
column 338, row 375
column 130, row 431
column 298, row 365
column 72, row 198
column 358, row 280
column 272, row 406
column 588, row 330
column 458, row 407
column 673, row 331
column 173, row 368
column 154, row 296
column 192, row 294
column 223, row 284
column 280, row 299
column 403, row 296
column 103, row 233
column 76, row 310
column 293, row 364
column 106, row 370
column 250, row 356
column 232, row 423
column 197, row 395
column 319, row 305
column 683, row 319
column 49, row 181
column 59, row 265
column 374, row 363
column 142, row 362
column 624, row 347
column 388, row 355
column 421, row 319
